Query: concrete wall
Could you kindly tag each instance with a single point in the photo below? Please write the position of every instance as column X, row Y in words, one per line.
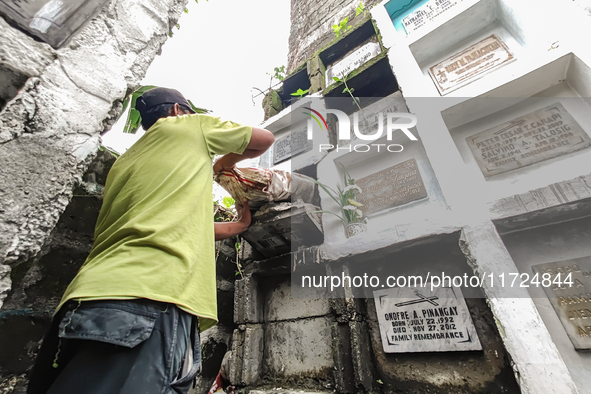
column 49, row 131
column 311, row 26
column 562, row 241
column 38, row 283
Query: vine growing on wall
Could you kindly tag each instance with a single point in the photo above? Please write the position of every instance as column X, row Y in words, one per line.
column 343, row 25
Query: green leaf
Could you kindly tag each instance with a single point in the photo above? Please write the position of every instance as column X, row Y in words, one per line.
column 134, row 96
column 326, row 189
column 186, row 10
column 228, row 201
column 197, row 109
column 337, row 79
column 360, row 9
column 300, row 93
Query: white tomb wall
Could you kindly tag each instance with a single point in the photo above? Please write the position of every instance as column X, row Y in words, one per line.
column 293, row 119
column 540, row 174
column 424, row 214
column 564, row 241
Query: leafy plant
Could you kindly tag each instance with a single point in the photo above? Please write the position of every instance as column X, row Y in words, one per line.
column 300, row 93
column 279, row 73
column 134, row 118
column 361, row 10
column 103, row 148
column 237, row 246
column 347, row 89
column 345, row 198
column 228, row 202
column 341, row 27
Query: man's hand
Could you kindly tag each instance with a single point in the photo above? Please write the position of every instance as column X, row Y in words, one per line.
column 219, row 165
column 230, row 229
column 260, row 141
column 244, row 215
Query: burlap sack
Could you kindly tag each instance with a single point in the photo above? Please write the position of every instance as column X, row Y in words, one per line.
column 261, row 186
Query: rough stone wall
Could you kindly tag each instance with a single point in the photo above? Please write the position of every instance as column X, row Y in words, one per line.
column 311, row 25
column 50, row 130
column 38, row 283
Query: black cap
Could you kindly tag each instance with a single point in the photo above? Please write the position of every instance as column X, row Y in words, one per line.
column 158, row 96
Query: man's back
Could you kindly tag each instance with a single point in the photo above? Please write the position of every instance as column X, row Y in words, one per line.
column 154, row 236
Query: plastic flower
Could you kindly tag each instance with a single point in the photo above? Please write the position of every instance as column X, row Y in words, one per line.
column 354, row 203
column 352, row 187
column 349, row 208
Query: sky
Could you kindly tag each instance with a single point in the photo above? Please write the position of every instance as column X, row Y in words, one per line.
column 222, row 50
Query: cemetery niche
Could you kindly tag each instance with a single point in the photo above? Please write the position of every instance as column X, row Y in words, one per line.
column 410, row 18
column 567, row 285
column 418, row 319
column 292, row 144
column 471, row 63
column 537, row 136
column 392, row 187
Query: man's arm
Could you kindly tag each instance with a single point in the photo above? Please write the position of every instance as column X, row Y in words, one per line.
column 260, row 141
column 229, row 229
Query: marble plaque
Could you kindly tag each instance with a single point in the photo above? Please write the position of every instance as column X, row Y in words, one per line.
column 416, row 319
column 470, row 64
column 391, row 187
column 571, row 301
column 427, row 13
column 537, row 136
column 292, row 144
column 352, row 61
column 53, row 21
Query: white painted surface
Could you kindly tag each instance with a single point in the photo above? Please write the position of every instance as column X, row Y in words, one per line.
column 293, row 118
column 548, row 39
column 563, row 241
column 538, row 364
column 361, row 164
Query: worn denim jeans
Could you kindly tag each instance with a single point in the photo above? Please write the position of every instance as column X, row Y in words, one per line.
column 127, row 347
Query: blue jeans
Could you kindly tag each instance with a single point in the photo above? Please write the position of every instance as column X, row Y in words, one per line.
column 127, row 347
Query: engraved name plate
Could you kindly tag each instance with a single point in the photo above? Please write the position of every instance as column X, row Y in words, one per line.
column 427, row 13
column 294, row 143
column 571, row 301
column 470, row 64
column 391, row 187
column 537, row 136
column 416, row 319
column 351, row 62
column 53, row 21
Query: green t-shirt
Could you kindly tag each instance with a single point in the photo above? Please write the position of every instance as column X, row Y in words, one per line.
column 154, row 236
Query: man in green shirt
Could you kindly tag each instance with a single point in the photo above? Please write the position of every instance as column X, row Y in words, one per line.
column 125, row 323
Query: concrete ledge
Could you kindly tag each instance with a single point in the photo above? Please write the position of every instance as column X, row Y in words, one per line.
column 247, row 351
column 279, row 228
column 248, row 306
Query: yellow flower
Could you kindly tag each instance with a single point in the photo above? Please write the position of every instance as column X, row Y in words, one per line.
column 354, row 203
